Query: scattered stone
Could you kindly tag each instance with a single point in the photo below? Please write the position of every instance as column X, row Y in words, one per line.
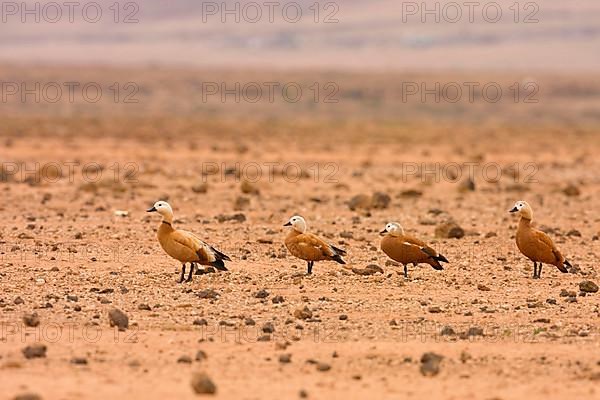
column 303, row 313
column 475, row 331
column 239, row 217
column 380, row 200
column 201, row 355
column 200, row 322
column 118, row 318
column 36, row 350
column 32, row 320
column 468, row 185
column 208, row 294
column 368, row 270
column 200, row 188
column 571, row 190
column 588, row 287
column 430, row 364
column 202, row 384
column 28, row 396
column 411, row 193
column 567, row 293
column 323, row 367
column 483, row 288
column 360, row 201
column 249, row 188
column 249, row 322
column 184, row 360
column 435, row 310
column 574, row 232
column 261, row 294
column 268, row 327
column 343, row 317
column 277, row 299
column 447, row 331
column 542, row 320
column 285, row 358
column 449, row 230
column 19, row 300
column 144, row 307
column 79, row 361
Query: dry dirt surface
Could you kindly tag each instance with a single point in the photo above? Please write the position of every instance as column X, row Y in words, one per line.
column 76, row 244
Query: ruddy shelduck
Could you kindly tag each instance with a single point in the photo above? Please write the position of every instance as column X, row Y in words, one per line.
column 309, row 247
column 535, row 244
column 184, row 246
column 407, row 249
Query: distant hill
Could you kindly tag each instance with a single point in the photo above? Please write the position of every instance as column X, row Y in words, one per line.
column 368, row 34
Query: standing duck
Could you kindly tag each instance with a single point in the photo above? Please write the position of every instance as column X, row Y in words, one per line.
column 184, row 246
column 407, row 249
column 535, row 244
column 309, row 247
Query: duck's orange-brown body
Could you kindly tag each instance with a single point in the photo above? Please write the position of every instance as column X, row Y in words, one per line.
column 537, row 246
column 407, row 249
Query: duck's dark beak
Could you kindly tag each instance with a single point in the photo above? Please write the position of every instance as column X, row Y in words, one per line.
column 288, row 224
column 153, row 209
column 514, row 210
column 383, row 232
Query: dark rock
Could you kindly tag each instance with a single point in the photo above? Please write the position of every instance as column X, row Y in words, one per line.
column 36, row 350
column 571, row 190
column 368, row 270
column 79, row 361
column 261, row 294
column 31, row 320
column 380, row 200
column 447, row 331
column 184, row 360
column 430, row 364
column 200, row 322
column 118, row 318
column 277, row 299
column 588, row 287
column 268, row 327
column 27, row 396
column 323, row 367
column 201, row 355
column 343, row 317
column 303, row 313
column 361, row 201
column 475, row 331
column 449, row 230
column 208, row 294
column 202, row 384
column 285, row 358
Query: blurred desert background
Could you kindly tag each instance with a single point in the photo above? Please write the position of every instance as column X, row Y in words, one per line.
column 376, row 123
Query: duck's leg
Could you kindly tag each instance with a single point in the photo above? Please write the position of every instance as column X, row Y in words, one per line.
column 189, row 278
column 540, row 271
column 406, row 270
column 535, row 270
column 310, row 265
column 181, row 279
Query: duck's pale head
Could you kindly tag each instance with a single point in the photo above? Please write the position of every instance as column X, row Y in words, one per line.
column 393, row 228
column 523, row 209
column 298, row 223
column 164, row 209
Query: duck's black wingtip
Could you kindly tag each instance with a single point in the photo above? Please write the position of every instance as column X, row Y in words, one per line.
column 337, row 258
column 219, row 264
